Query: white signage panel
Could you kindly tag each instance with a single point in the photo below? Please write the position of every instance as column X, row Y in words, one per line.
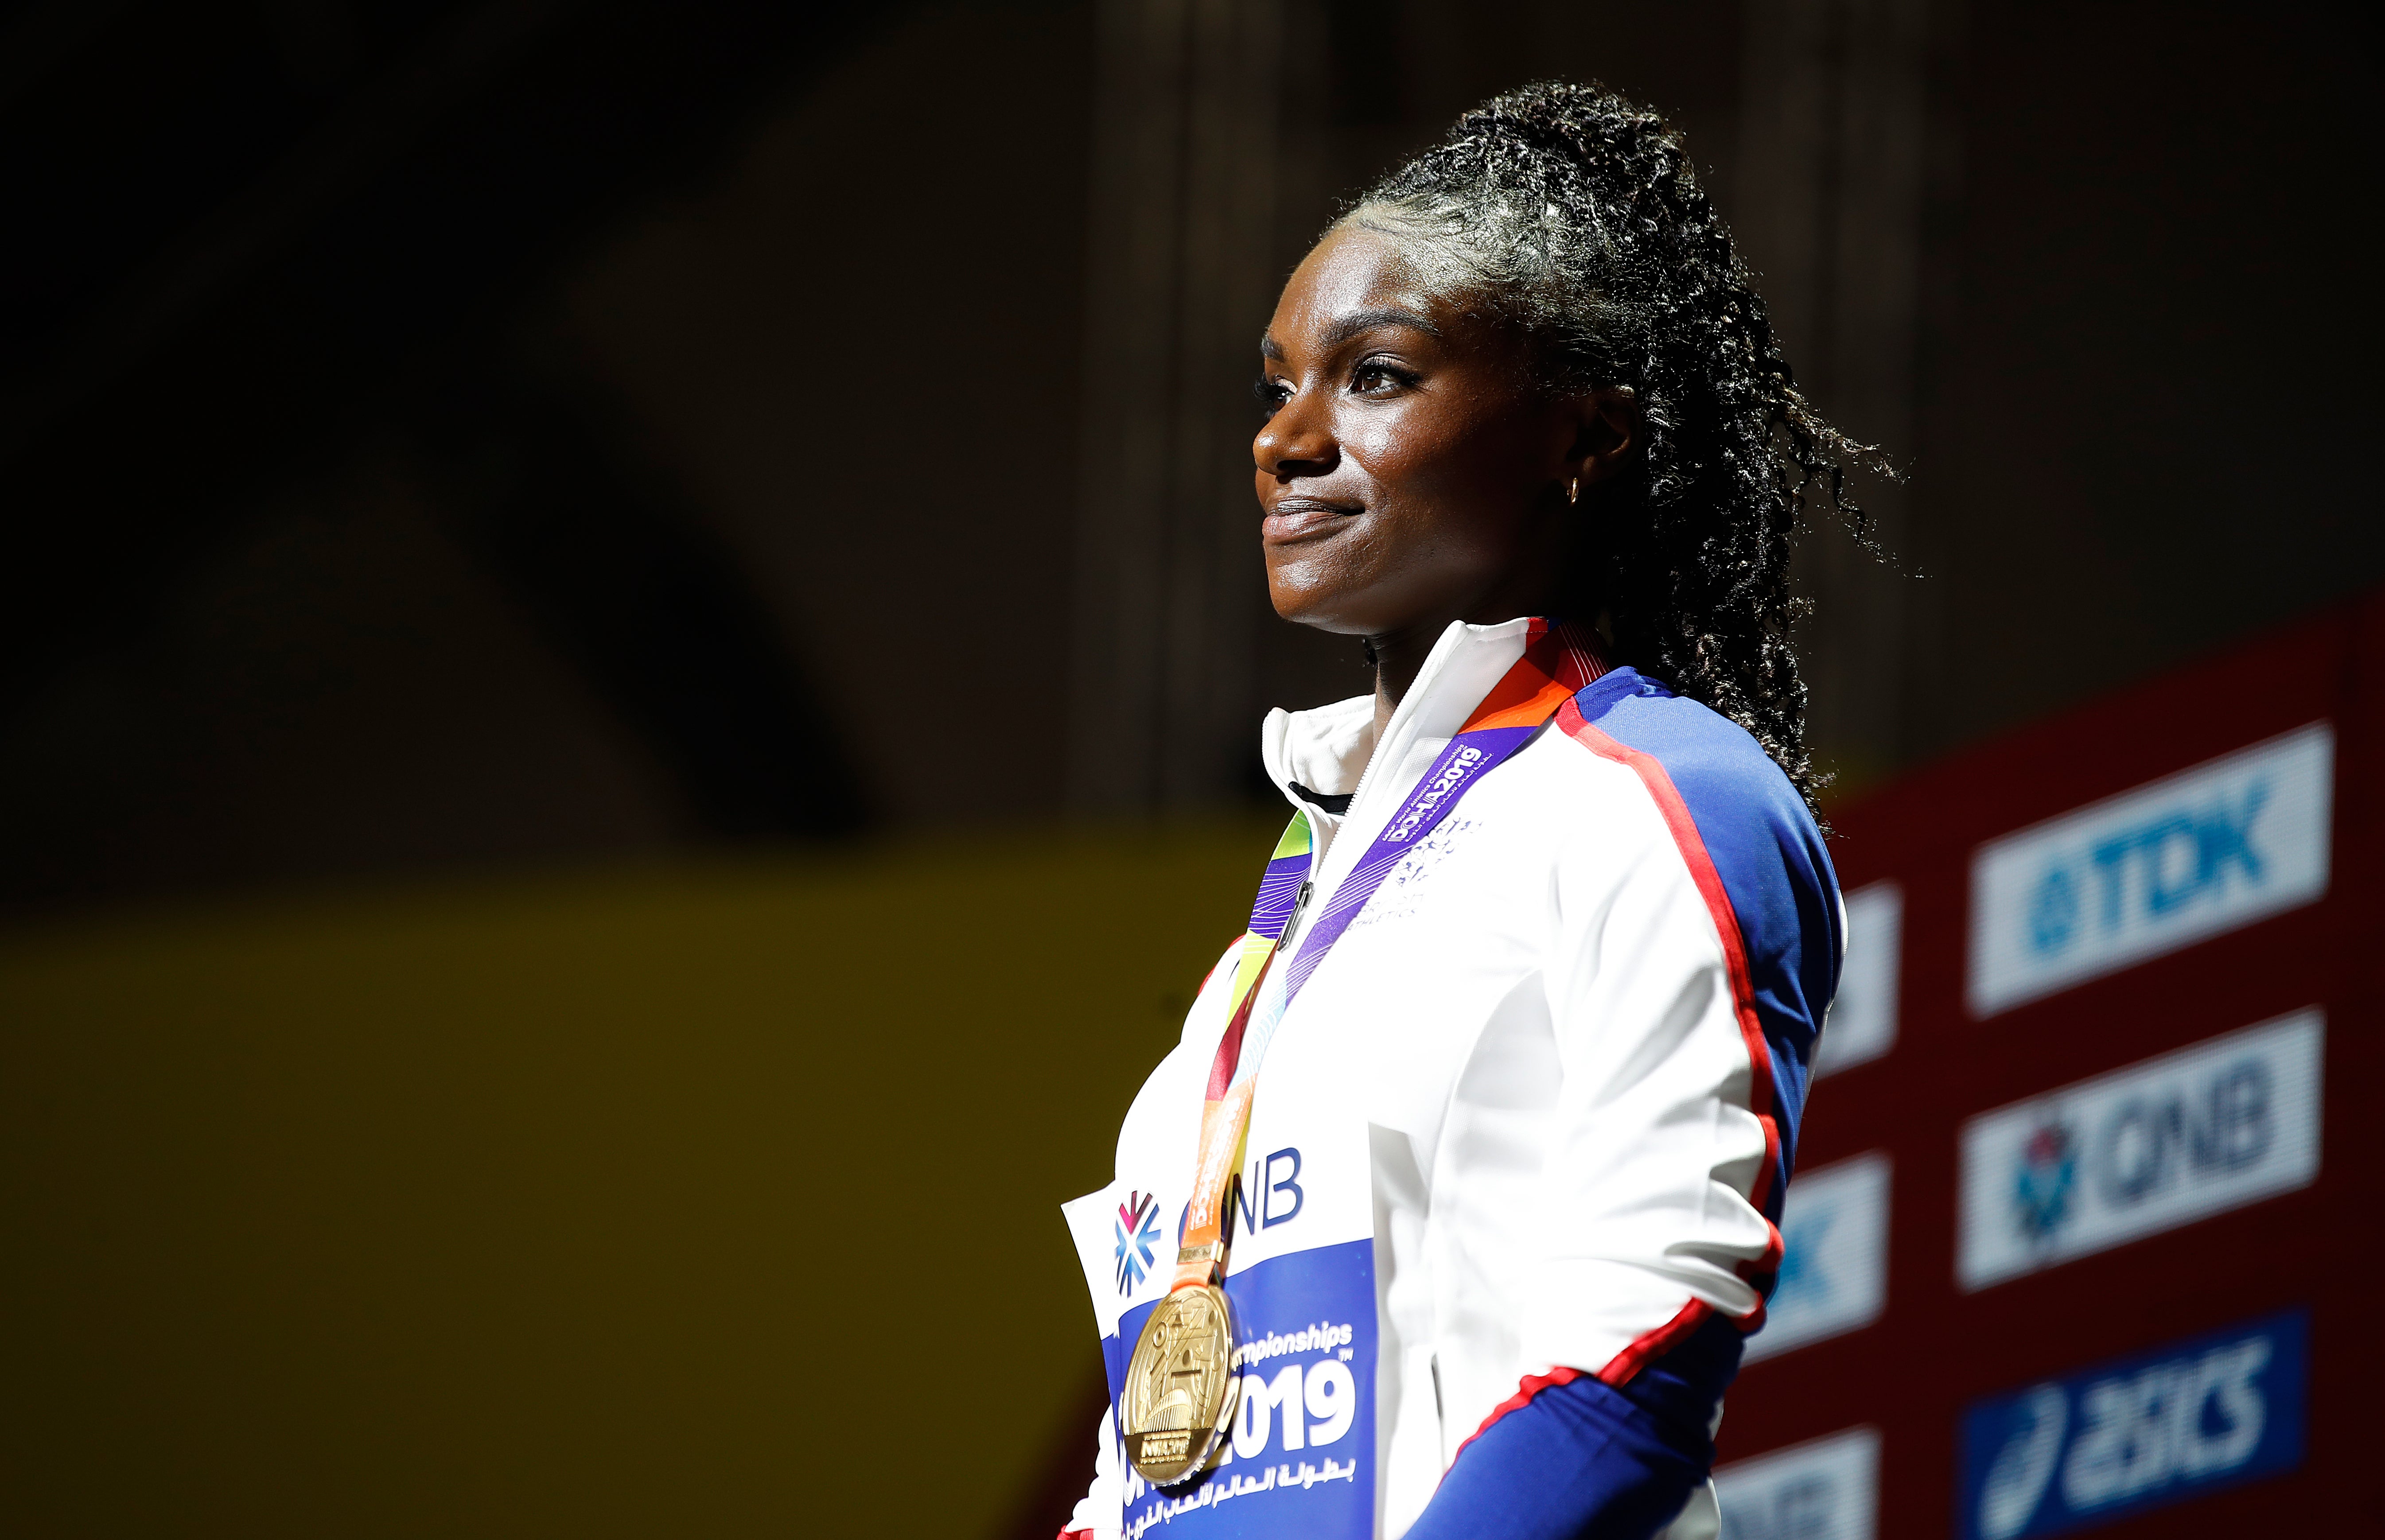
column 1833, row 1255
column 1862, row 1024
column 2184, row 858
column 2148, row 1148
column 1825, row 1489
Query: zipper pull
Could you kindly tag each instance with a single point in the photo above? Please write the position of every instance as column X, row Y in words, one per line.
column 1299, row 906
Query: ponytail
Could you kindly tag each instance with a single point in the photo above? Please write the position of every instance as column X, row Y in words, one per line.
column 1574, row 216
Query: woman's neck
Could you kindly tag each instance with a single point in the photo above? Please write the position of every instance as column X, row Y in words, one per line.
column 1399, row 657
column 1400, row 652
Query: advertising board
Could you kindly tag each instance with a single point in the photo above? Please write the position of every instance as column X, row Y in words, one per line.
column 1862, row 1022
column 1824, row 1489
column 2099, row 1443
column 1833, row 1276
column 2153, row 869
column 2141, row 1150
column 2065, row 1242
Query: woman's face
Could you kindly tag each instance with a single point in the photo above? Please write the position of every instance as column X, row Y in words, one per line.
column 1407, row 474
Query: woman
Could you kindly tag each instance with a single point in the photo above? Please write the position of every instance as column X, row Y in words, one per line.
column 1536, row 974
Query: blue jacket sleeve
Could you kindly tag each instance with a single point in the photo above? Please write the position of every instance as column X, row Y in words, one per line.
column 1584, row 1460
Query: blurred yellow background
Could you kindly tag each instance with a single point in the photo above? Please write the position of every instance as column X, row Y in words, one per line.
column 702, row 1199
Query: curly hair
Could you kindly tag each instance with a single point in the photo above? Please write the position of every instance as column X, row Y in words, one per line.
column 1574, row 215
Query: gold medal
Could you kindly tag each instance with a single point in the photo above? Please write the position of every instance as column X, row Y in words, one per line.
column 1180, row 1385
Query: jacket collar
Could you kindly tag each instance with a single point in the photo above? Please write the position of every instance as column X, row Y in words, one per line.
column 1331, row 750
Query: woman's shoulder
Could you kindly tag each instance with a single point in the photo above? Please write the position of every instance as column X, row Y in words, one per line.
column 1743, row 834
column 1692, row 760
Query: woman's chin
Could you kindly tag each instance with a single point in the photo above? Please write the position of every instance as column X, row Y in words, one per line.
column 1313, row 605
column 1327, row 595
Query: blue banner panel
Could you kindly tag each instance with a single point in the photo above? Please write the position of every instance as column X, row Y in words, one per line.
column 2121, row 1437
column 1302, row 1462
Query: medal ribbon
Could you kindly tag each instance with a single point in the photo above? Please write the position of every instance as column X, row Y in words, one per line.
column 1558, row 660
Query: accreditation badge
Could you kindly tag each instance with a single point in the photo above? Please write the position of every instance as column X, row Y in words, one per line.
column 1299, row 1459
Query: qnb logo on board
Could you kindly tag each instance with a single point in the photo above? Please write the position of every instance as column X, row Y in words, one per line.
column 2151, row 871
column 2139, row 1433
column 2143, row 1149
column 2044, row 1178
column 1138, row 1233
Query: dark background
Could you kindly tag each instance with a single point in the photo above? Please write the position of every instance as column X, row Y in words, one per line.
column 470, row 435
column 453, row 443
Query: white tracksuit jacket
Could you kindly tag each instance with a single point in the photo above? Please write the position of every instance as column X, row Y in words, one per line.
column 1575, row 1022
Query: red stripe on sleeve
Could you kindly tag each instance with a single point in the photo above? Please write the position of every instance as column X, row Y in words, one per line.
column 1684, row 830
column 1657, row 1344
column 1618, row 1370
column 1693, row 846
column 1532, row 1385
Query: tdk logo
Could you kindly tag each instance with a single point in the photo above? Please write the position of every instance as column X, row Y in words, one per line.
column 2143, row 1149
column 2156, row 869
column 2151, row 871
column 2139, row 1433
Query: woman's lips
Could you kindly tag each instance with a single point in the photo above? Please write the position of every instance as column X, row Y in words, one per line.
column 1298, row 519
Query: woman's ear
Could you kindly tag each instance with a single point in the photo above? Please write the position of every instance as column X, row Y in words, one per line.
column 1608, row 429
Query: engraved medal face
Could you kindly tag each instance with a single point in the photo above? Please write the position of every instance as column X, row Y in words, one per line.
column 1178, row 1393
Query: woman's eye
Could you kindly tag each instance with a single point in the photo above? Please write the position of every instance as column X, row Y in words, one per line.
column 1270, row 395
column 1379, row 378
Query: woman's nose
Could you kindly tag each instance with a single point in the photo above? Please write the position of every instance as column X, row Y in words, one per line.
column 1295, row 440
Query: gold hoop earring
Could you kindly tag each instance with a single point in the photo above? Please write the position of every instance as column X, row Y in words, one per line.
column 1573, row 492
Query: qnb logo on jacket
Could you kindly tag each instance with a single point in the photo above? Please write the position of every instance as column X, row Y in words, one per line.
column 2143, row 1149
column 2160, row 1428
column 2151, row 871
